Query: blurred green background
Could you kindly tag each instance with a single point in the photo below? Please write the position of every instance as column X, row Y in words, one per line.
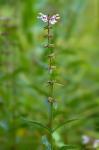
column 23, row 73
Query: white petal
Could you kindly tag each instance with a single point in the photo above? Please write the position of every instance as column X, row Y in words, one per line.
column 57, row 17
column 39, row 17
column 44, row 18
column 85, row 139
column 52, row 21
column 41, row 14
column 53, row 17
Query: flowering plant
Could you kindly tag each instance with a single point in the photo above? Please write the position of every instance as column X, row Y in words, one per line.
column 51, row 100
column 51, row 19
column 48, row 142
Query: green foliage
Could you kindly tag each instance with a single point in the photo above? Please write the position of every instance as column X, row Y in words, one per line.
column 69, row 147
column 23, row 74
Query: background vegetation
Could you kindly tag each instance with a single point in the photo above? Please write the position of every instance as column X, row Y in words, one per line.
column 23, row 73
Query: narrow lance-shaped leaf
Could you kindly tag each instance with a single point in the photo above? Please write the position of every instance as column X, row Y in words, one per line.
column 37, row 123
column 69, row 147
column 64, row 123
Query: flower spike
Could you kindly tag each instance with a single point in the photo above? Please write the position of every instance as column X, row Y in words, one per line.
column 52, row 19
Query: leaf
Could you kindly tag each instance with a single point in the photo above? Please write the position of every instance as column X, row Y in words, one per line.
column 38, row 124
column 69, row 147
column 46, row 142
column 61, row 125
column 55, row 105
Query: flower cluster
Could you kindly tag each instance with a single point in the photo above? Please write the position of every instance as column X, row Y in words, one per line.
column 86, row 140
column 96, row 143
column 51, row 19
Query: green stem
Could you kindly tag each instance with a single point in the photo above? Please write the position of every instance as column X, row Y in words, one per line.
column 51, row 117
column 50, row 93
column 51, row 126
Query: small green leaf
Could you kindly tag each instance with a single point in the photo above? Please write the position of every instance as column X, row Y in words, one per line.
column 69, row 147
column 64, row 123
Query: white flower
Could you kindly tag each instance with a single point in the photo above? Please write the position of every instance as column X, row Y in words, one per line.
column 96, row 143
column 43, row 17
column 52, row 19
column 85, row 139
